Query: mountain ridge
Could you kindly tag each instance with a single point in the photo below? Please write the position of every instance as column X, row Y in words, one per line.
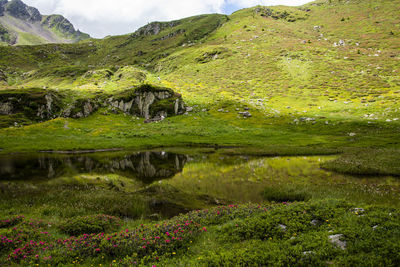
column 21, row 24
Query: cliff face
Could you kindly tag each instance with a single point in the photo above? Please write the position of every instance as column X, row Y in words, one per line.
column 22, row 24
column 2, row 8
column 62, row 25
column 146, row 101
column 18, row 9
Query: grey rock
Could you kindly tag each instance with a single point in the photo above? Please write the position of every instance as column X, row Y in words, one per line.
column 189, row 109
column 155, row 28
column 143, row 101
column 358, row 210
column 6, row 108
column 335, row 239
column 282, row 227
column 314, row 222
column 245, row 114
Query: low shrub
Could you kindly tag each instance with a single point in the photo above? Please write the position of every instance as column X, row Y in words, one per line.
column 90, row 225
column 6, row 223
column 284, row 195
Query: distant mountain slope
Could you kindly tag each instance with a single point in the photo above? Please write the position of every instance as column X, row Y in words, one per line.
column 24, row 25
column 325, row 51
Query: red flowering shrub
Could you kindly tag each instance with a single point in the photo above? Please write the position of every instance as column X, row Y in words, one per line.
column 6, row 223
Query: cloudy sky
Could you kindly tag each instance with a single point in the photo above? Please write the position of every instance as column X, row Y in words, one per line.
column 100, row 18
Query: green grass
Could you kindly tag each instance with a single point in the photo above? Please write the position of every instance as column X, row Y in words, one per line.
column 279, row 235
column 306, row 97
column 25, row 38
column 367, row 162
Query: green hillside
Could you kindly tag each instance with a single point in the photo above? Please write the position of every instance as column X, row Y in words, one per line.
column 323, row 76
column 269, row 137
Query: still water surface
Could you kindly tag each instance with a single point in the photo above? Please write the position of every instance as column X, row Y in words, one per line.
column 224, row 178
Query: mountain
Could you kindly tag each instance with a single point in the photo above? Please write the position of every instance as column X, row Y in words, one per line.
column 324, row 77
column 328, row 58
column 24, row 25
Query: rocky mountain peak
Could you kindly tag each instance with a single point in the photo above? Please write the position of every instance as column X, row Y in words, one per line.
column 155, row 28
column 2, row 6
column 19, row 9
column 59, row 22
column 17, row 18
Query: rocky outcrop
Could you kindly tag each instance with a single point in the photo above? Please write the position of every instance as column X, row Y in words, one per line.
column 81, row 108
column 170, row 35
column 33, row 104
column 6, row 108
column 18, row 9
column 63, row 25
column 18, row 18
column 155, row 28
column 2, row 6
column 147, row 101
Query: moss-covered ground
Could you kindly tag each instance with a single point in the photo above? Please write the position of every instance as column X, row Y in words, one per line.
column 321, row 79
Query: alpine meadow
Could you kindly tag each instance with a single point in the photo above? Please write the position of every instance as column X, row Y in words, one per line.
column 268, row 137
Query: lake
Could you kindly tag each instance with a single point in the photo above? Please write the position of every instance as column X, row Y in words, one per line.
column 217, row 177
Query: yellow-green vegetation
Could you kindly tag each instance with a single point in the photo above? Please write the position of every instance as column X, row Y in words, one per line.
column 276, row 82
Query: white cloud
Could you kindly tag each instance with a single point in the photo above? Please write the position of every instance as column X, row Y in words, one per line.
column 105, row 17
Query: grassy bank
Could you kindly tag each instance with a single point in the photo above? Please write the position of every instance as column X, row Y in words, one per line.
column 303, row 233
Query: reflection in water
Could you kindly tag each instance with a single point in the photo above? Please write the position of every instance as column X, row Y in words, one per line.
column 146, row 166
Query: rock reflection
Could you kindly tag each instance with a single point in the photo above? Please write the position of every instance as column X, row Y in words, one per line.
column 146, row 166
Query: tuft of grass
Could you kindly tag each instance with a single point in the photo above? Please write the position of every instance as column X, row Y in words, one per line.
column 367, row 162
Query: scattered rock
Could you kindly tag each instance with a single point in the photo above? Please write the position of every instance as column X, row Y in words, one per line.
column 358, row 210
column 317, row 28
column 245, row 114
column 282, row 227
column 6, row 108
column 352, row 134
column 314, row 222
column 335, row 239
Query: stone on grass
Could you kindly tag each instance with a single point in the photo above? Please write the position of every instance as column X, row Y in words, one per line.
column 335, row 239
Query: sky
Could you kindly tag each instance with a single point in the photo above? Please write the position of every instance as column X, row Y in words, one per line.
column 100, row 18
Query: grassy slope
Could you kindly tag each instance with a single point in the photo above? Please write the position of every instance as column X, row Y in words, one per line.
column 349, row 90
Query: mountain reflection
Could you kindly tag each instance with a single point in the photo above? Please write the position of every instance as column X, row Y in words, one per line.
column 146, row 166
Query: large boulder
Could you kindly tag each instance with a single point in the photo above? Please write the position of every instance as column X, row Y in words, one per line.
column 33, row 103
column 81, row 108
column 149, row 101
